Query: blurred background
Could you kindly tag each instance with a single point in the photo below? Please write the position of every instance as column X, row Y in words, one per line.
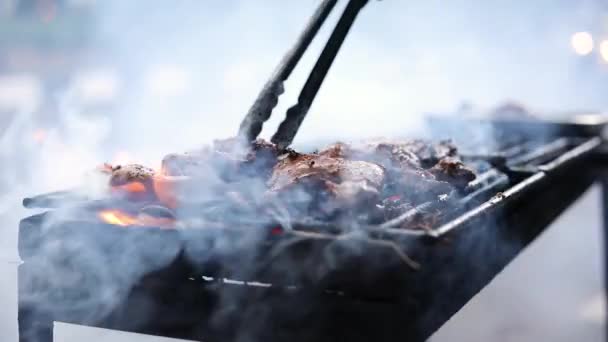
column 188, row 70
column 88, row 81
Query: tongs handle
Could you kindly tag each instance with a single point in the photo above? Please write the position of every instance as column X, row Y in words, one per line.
column 267, row 99
column 295, row 115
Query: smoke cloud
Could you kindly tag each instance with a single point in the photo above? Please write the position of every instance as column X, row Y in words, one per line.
column 185, row 72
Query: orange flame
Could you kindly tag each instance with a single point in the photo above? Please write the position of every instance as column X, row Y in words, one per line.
column 131, row 187
column 120, row 218
column 167, row 188
column 117, row 217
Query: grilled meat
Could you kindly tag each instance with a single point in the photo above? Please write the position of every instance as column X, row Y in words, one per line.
column 453, row 171
column 400, row 153
column 431, row 154
column 411, row 165
column 210, row 173
column 327, row 183
column 125, row 174
column 349, row 179
column 227, row 155
column 418, row 185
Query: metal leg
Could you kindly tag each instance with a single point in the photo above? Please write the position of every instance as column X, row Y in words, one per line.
column 34, row 324
column 604, row 182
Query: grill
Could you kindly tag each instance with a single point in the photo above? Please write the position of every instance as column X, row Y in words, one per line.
column 358, row 284
column 308, row 280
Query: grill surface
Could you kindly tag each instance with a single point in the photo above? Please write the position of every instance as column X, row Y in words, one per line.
column 355, row 284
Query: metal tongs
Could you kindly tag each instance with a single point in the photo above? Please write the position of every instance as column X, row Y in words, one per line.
column 268, row 98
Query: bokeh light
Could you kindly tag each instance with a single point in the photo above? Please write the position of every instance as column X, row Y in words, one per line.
column 604, row 50
column 582, row 43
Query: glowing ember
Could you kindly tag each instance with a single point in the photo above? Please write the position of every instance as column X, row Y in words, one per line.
column 132, row 187
column 117, row 217
column 120, row 218
column 167, row 189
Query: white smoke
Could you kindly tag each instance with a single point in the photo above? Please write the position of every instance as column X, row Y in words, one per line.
column 190, row 70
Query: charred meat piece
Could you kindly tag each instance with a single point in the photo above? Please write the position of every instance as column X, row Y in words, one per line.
column 387, row 155
column 453, row 171
column 408, row 164
column 427, row 154
column 227, row 158
column 258, row 153
column 260, row 159
column 210, row 173
column 431, row 154
column 296, row 167
column 418, row 185
column 342, row 181
column 124, row 174
column 327, row 183
column 401, row 153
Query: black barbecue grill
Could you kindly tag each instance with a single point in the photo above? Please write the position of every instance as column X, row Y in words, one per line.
column 349, row 283
column 308, row 280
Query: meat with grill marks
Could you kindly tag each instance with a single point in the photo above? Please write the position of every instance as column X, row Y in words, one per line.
column 396, row 152
column 414, row 167
column 453, row 171
column 326, row 183
column 125, row 174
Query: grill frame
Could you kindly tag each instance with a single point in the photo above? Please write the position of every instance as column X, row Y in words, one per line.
column 392, row 289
